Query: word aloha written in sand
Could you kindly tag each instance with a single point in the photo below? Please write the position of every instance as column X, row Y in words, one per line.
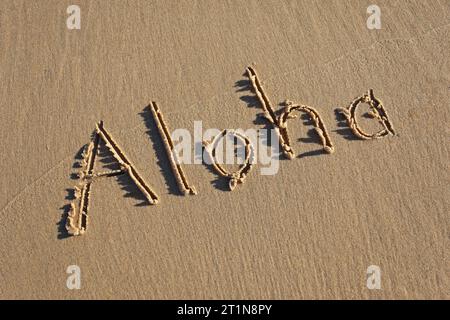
column 77, row 220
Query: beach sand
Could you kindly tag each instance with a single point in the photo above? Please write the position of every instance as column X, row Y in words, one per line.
column 308, row 232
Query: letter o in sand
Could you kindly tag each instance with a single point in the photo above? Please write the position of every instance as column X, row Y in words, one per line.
column 238, row 176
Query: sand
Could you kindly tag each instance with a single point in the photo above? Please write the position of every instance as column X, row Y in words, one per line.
column 310, row 231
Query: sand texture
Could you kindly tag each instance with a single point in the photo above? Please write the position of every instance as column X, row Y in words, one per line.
column 341, row 204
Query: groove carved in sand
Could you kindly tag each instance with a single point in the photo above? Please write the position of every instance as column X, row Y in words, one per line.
column 280, row 122
column 177, row 170
column 319, row 125
column 238, row 176
column 269, row 113
column 376, row 111
column 77, row 220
